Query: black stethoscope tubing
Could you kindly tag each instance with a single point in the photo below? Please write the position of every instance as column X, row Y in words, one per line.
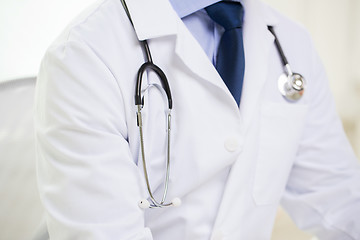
column 278, row 46
column 148, row 65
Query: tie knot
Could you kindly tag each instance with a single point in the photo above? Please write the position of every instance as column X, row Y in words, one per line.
column 227, row 14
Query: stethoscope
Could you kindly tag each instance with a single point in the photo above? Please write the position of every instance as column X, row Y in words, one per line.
column 291, row 85
column 148, row 66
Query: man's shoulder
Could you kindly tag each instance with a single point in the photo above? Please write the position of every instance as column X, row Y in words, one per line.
column 283, row 22
column 294, row 38
column 94, row 22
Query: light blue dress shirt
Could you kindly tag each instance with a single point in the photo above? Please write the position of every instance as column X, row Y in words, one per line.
column 201, row 26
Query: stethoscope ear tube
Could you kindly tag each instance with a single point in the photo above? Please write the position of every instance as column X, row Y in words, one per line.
column 278, row 46
column 147, row 67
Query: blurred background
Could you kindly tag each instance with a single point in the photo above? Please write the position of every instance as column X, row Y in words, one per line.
column 27, row 27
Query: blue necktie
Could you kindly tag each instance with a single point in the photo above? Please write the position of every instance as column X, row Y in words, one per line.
column 230, row 61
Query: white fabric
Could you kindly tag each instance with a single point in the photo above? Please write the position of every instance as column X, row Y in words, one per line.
column 90, row 176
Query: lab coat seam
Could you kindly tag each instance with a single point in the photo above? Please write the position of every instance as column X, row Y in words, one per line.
column 77, row 24
column 117, row 83
column 121, row 95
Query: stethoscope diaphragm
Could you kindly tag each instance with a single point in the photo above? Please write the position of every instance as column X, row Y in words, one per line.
column 291, row 86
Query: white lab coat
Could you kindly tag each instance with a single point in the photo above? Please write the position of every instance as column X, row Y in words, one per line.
column 230, row 167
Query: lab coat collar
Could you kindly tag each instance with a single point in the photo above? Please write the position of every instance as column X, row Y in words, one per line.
column 266, row 12
column 187, row 7
column 149, row 16
column 152, row 19
column 257, row 43
column 157, row 18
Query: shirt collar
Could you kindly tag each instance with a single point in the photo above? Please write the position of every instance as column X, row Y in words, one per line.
column 186, row 7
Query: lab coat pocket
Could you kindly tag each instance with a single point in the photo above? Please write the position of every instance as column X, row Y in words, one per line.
column 281, row 126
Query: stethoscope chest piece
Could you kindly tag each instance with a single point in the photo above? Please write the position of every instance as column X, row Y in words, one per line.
column 291, row 86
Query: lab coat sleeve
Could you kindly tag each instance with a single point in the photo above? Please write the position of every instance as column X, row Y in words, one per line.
column 323, row 191
column 88, row 181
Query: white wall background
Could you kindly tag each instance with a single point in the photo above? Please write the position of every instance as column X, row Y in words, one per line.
column 27, row 27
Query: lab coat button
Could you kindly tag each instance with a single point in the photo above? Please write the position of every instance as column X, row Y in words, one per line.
column 231, row 144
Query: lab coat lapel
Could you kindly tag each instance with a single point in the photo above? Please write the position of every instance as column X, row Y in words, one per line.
column 152, row 19
column 257, row 43
column 159, row 20
column 195, row 59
